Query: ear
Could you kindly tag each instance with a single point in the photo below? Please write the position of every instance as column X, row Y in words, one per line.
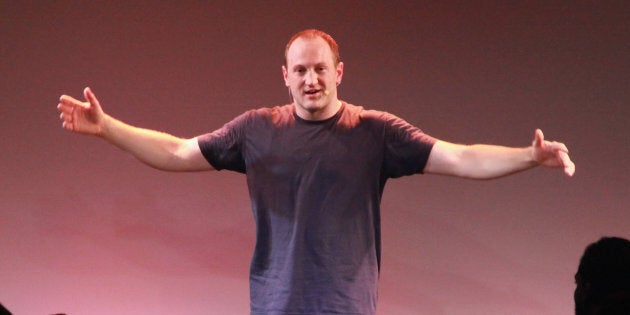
column 285, row 75
column 339, row 72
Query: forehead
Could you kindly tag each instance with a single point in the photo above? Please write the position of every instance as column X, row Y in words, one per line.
column 309, row 50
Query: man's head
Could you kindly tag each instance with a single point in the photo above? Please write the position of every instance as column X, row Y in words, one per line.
column 312, row 72
column 313, row 33
column 603, row 278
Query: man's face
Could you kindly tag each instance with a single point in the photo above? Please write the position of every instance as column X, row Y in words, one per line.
column 312, row 77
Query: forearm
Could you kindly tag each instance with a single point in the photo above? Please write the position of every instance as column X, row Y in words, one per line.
column 482, row 161
column 479, row 161
column 156, row 149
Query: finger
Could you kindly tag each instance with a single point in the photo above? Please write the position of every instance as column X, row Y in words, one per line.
column 569, row 166
column 72, row 102
column 562, row 147
column 67, row 125
column 570, row 169
column 64, row 108
column 68, row 100
column 556, row 146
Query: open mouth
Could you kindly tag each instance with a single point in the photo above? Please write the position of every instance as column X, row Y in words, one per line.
column 311, row 92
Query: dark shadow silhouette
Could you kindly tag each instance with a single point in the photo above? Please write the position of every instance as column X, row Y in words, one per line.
column 603, row 278
column 3, row 310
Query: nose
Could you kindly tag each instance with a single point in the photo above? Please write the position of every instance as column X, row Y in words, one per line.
column 311, row 78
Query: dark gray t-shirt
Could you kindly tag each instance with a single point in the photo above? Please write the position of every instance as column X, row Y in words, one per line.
column 315, row 189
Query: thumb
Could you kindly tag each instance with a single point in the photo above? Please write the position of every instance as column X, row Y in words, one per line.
column 91, row 98
column 539, row 137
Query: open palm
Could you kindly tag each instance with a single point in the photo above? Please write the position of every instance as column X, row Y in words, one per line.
column 82, row 117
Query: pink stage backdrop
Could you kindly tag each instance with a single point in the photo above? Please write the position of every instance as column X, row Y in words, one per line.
column 86, row 229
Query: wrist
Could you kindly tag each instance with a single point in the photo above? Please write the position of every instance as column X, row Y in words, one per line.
column 532, row 159
column 104, row 129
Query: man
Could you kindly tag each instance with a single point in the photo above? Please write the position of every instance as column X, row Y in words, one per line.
column 603, row 278
column 316, row 170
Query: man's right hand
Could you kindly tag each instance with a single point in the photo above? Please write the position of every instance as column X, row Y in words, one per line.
column 82, row 117
column 156, row 149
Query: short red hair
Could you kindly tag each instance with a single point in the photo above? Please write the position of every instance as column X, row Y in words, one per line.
column 313, row 33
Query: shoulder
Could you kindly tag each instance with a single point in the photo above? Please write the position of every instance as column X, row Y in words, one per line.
column 266, row 114
column 286, row 109
column 371, row 116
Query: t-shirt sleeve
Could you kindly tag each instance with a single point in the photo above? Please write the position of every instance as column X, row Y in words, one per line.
column 407, row 148
column 223, row 148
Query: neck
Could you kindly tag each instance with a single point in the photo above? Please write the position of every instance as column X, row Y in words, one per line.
column 322, row 114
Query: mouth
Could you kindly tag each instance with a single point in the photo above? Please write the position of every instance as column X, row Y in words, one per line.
column 312, row 92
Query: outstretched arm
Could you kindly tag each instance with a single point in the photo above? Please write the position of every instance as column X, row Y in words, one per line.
column 482, row 161
column 156, row 149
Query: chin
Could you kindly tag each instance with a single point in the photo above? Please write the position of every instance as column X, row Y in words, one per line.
column 312, row 106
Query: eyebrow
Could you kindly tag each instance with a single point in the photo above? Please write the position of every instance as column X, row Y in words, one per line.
column 317, row 65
